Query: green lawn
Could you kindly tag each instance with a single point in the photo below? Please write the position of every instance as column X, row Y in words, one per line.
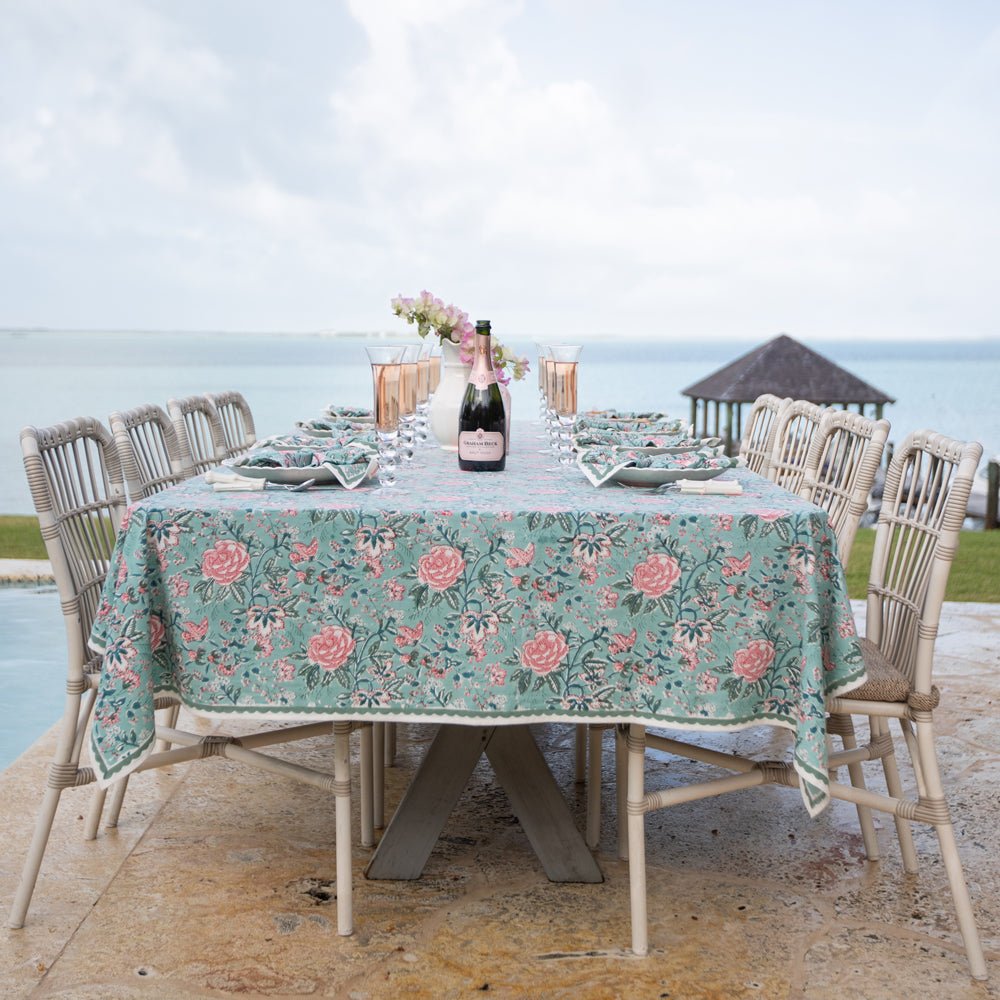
column 975, row 575
column 20, row 538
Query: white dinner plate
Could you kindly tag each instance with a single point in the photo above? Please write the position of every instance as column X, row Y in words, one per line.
column 322, row 474
column 631, row 476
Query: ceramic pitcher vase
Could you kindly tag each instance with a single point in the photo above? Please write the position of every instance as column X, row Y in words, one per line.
column 447, row 399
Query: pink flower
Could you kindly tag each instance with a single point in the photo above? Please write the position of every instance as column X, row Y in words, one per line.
column 752, row 663
column 607, row 598
column 394, row 590
column 736, row 567
column 656, row 575
column 156, row 632
column 440, row 567
column 331, row 648
column 225, row 562
column 544, row 653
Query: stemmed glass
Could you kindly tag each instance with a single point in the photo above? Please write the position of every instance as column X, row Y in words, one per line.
column 423, row 390
column 408, row 400
column 385, row 383
column 563, row 363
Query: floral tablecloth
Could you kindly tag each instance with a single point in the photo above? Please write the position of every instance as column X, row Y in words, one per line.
column 524, row 596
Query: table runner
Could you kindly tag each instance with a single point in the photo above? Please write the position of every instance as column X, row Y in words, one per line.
column 524, row 596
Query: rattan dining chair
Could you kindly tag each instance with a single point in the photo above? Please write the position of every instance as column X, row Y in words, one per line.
column 757, row 442
column 237, row 421
column 149, row 450
column 78, row 492
column 840, row 470
column 200, row 432
column 794, row 429
column 926, row 491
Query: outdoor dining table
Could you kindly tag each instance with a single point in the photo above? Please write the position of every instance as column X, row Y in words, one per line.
column 482, row 603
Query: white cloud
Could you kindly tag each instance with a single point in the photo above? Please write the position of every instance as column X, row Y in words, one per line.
column 591, row 165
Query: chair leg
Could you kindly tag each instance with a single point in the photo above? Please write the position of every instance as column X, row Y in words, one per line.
column 949, row 851
column 637, row 839
column 365, row 779
column 390, row 744
column 94, row 813
column 595, row 736
column 580, row 765
column 880, row 727
column 342, row 794
column 33, row 862
column 843, row 726
column 117, row 798
column 379, row 744
column 621, row 791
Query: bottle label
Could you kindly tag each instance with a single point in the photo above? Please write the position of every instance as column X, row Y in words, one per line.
column 483, row 378
column 480, row 446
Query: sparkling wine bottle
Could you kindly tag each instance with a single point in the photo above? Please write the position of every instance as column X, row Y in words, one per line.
column 481, row 420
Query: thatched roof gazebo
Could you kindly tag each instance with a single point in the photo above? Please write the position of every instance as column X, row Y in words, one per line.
column 784, row 367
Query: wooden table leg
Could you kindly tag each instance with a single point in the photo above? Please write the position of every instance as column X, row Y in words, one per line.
column 540, row 807
column 424, row 809
column 436, row 787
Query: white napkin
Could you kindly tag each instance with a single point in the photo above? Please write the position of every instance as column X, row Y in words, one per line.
column 240, row 483
column 223, row 480
column 721, row 487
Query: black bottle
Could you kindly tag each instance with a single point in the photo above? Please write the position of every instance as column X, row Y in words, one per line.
column 481, row 420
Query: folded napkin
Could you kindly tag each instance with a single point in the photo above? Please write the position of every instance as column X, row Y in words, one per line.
column 600, row 464
column 272, row 458
column 614, row 414
column 226, row 479
column 660, row 425
column 720, row 487
column 348, row 412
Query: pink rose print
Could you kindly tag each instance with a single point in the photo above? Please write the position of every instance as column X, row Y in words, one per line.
column 156, row 631
column 751, row 663
column 331, row 648
column 544, row 653
column 440, row 567
column 656, row 575
column 225, row 562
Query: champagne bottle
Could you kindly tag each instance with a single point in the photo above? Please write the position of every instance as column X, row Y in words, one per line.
column 481, row 419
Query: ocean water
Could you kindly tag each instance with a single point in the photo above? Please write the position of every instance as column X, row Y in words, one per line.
column 50, row 376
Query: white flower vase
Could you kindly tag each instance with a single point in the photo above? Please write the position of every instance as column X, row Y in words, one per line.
column 447, row 399
column 505, row 393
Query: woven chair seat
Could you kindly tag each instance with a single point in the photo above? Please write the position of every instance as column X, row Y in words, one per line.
column 885, row 682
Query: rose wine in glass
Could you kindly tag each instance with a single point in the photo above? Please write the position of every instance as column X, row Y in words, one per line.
column 385, row 387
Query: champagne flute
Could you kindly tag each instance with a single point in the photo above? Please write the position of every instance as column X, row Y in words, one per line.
column 408, row 399
column 385, row 383
column 423, row 390
column 563, row 365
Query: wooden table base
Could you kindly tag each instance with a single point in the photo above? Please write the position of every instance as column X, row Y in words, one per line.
column 436, row 787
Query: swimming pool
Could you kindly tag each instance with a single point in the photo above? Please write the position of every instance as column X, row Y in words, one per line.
column 32, row 666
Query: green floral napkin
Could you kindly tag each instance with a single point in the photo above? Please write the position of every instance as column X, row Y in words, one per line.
column 661, row 425
column 348, row 412
column 600, row 464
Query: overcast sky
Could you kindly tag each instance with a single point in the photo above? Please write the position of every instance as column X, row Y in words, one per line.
column 677, row 169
